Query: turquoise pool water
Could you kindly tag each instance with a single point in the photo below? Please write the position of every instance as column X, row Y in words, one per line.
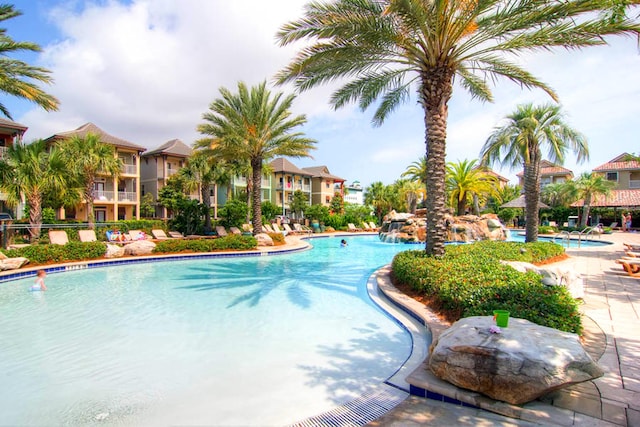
column 250, row 341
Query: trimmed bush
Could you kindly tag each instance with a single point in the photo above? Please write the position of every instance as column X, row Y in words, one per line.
column 278, row 238
column 230, row 242
column 72, row 251
column 470, row 281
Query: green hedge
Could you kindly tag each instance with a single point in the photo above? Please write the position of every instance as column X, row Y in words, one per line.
column 72, row 251
column 230, row 242
column 470, row 281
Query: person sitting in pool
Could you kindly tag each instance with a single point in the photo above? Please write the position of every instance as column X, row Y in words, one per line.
column 39, row 286
column 343, row 243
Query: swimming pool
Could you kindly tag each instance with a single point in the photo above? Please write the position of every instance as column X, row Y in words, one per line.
column 251, row 341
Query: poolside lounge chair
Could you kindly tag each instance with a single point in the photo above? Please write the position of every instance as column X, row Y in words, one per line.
column 266, row 228
column 630, row 265
column 235, row 230
column 137, row 235
column 289, row 230
column 160, row 234
column 115, row 236
column 373, row 226
column 302, row 229
column 221, row 231
column 366, row 226
column 277, row 229
column 353, row 228
column 58, row 237
column 87, row 235
column 632, row 246
column 176, row 235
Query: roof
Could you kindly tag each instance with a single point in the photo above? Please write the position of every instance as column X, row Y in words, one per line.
column 12, row 126
column 550, row 169
column 618, row 163
column 87, row 128
column 491, row 172
column 283, row 165
column 520, row 202
column 322, row 172
column 616, row 198
column 175, row 147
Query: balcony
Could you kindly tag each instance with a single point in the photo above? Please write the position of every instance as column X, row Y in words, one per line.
column 3, row 152
column 127, row 196
column 128, row 169
column 634, row 183
column 102, row 196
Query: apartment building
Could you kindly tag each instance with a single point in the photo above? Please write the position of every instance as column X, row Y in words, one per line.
column 114, row 198
column 287, row 178
column 160, row 164
column 550, row 173
column 324, row 185
column 10, row 133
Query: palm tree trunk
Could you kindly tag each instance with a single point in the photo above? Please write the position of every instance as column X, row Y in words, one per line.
column 476, row 205
column 35, row 217
column 434, row 95
column 256, row 168
column 586, row 208
column 88, row 198
column 206, row 201
column 532, row 198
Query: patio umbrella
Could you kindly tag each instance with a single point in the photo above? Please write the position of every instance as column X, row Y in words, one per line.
column 520, row 203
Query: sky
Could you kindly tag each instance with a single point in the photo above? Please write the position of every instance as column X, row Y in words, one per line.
column 147, row 70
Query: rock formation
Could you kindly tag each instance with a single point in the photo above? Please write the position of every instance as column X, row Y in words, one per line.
column 553, row 276
column 139, row 247
column 404, row 227
column 521, row 363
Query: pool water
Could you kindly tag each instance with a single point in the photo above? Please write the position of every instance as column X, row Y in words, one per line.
column 250, row 341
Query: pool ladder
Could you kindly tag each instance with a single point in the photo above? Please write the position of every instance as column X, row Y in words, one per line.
column 565, row 236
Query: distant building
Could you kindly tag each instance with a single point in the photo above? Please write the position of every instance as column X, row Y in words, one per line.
column 287, row 178
column 114, row 198
column 550, row 173
column 10, row 133
column 354, row 193
column 324, row 185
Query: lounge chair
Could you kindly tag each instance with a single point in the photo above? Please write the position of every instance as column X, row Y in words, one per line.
column 160, row 234
column 353, row 228
column 87, row 235
column 221, row 231
column 277, row 229
column 301, row 229
column 235, row 230
column 614, row 225
column 289, row 230
column 115, row 236
column 373, row 226
column 632, row 247
column 176, row 235
column 137, row 235
column 630, row 265
column 366, row 226
column 58, row 237
column 267, row 228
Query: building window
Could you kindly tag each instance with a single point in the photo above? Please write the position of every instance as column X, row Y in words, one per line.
column 327, row 199
column 612, row 176
column 327, row 184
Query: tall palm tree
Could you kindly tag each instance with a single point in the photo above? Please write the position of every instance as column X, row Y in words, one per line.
column 520, row 142
column 200, row 172
column 256, row 126
column 411, row 192
column 88, row 157
column 30, row 171
column 589, row 186
column 380, row 197
column 17, row 77
column 417, row 171
column 465, row 182
column 559, row 194
column 383, row 47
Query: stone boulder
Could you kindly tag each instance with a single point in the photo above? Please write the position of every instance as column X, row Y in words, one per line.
column 554, row 276
column 12, row 263
column 139, row 247
column 114, row 251
column 521, row 363
column 264, row 239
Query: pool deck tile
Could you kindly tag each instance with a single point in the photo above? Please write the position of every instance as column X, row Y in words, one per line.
column 611, row 322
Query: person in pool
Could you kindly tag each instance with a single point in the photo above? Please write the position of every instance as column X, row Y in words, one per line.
column 343, row 243
column 39, row 285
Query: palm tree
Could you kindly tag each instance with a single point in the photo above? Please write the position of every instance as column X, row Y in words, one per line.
column 380, row 197
column 417, row 171
column 201, row 171
column 520, row 141
column 30, row 171
column 383, row 47
column 411, row 192
column 255, row 126
column 88, row 157
column 16, row 77
column 465, row 181
column 559, row 194
column 588, row 186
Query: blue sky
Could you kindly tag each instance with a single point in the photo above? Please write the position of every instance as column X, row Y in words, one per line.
column 146, row 71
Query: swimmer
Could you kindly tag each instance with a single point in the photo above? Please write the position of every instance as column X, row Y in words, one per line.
column 39, row 286
column 343, row 243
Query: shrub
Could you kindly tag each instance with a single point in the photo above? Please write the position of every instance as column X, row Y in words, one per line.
column 230, row 242
column 278, row 238
column 470, row 281
column 72, row 251
column 547, row 229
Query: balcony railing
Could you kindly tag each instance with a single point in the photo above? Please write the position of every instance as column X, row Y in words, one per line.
column 634, row 183
column 3, row 151
column 102, row 196
column 128, row 169
column 127, row 196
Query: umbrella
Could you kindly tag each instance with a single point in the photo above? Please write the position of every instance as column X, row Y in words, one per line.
column 520, row 203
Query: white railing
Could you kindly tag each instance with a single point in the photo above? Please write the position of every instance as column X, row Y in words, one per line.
column 128, row 169
column 171, row 172
column 102, row 196
column 127, row 196
column 3, row 151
